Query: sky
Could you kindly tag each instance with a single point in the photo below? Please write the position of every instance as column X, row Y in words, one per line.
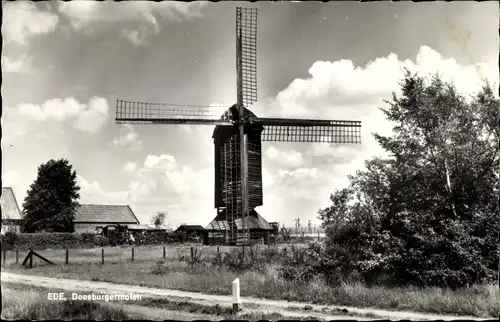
column 64, row 65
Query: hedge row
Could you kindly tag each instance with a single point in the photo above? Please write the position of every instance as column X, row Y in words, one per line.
column 154, row 238
column 39, row 241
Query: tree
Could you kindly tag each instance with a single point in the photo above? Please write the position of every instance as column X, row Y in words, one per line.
column 52, row 199
column 427, row 213
column 158, row 218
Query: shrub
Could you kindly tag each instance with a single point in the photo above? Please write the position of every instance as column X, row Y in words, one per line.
column 163, row 237
column 39, row 241
column 196, row 258
column 234, row 260
column 301, row 264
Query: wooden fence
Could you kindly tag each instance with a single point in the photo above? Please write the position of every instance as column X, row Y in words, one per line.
column 118, row 254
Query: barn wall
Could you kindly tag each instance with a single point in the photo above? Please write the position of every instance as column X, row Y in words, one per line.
column 13, row 227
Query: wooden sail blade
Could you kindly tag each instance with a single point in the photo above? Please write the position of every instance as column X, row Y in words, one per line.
column 246, row 55
column 129, row 112
column 301, row 130
column 246, row 68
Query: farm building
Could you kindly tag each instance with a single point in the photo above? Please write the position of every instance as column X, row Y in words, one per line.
column 259, row 228
column 11, row 214
column 190, row 229
column 91, row 218
column 198, row 230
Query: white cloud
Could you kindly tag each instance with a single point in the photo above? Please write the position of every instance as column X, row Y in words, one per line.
column 148, row 16
column 340, row 88
column 84, row 117
column 91, row 192
column 285, row 158
column 128, row 139
column 130, row 167
column 13, row 65
column 23, row 20
column 136, row 37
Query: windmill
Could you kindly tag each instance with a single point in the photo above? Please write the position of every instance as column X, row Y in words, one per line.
column 238, row 133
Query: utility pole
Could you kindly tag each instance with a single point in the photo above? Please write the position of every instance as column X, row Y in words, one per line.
column 309, row 226
column 297, row 225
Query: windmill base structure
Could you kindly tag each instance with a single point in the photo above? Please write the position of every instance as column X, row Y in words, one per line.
column 238, row 138
column 259, row 230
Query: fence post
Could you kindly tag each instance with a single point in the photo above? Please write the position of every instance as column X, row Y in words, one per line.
column 4, row 255
column 67, row 256
column 132, row 253
column 192, row 253
column 218, row 251
column 17, row 256
column 164, row 254
column 236, row 295
column 31, row 259
column 102, row 256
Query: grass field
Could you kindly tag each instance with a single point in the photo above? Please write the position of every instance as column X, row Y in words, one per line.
column 30, row 303
column 481, row 301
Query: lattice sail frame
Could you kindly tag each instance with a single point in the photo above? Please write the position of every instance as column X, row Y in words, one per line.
column 296, row 130
column 246, row 71
column 246, row 56
column 134, row 112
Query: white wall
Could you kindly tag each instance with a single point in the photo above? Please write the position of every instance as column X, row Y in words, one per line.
column 10, row 227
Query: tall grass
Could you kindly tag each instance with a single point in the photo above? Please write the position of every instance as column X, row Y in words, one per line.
column 29, row 305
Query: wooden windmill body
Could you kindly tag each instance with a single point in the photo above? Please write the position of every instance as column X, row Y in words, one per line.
column 239, row 134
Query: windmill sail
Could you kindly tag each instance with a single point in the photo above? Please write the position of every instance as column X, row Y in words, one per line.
column 246, row 55
column 130, row 112
column 302, row 130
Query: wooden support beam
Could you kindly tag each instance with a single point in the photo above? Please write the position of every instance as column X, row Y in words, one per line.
column 42, row 258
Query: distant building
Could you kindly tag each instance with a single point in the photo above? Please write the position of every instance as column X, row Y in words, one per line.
column 190, row 229
column 92, row 218
column 258, row 227
column 11, row 214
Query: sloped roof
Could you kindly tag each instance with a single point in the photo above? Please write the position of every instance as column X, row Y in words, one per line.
column 253, row 221
column 10, row 208
column 190, row 227
column 105, row 214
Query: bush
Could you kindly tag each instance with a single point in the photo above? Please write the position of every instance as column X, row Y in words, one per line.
column 301, row 264
column 425, row 216
column 254, row 259
column 40, row 241
column 196, row 258
column 163, row 237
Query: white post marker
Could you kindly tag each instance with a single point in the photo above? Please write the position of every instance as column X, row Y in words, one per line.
column 236, row 295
